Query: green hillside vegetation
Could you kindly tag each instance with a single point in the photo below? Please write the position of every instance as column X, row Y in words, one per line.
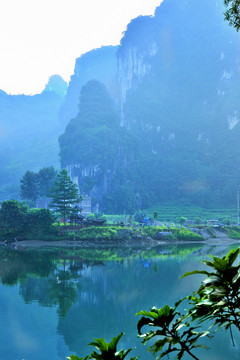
column 172, row 211
column 17, row 220
column 179, row 133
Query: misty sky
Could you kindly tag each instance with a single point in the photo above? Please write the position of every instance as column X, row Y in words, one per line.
column 39, row 38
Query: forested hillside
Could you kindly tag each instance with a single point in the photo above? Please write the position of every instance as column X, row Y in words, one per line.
column 178, row 106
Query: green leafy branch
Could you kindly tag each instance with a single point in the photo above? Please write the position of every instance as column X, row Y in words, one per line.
column 108, row 351
column 218, row 298
column 175, row 332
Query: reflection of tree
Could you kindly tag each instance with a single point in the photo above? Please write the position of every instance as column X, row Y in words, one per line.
column 59, row 289
column 63, row 291
column 16, row 266
column 110, row 297
column 52, row 279
column 49, row 277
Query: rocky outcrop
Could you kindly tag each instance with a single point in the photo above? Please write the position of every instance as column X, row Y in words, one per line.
column 98, row 64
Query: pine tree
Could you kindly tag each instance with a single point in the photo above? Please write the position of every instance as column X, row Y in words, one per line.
column 29, row 187
column 64, row 194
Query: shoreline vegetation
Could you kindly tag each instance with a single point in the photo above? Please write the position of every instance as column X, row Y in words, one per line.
column 20, row 223
column 122, row 235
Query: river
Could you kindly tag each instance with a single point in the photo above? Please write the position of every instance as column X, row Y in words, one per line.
column 55, row 301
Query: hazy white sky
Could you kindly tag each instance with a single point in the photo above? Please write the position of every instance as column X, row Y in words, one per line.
column 39, row 38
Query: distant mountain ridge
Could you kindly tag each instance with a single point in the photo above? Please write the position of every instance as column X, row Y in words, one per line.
column 29, row 129
column 30, row 125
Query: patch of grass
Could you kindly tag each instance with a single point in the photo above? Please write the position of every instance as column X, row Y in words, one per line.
column 211, row 232
column 95, row 233
column 233, row 232
column 177, row 233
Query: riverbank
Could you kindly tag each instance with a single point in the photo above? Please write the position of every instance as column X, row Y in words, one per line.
column 124, row 237
column 103, row 244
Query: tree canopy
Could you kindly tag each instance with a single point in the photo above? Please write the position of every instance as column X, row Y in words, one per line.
column 16, row 219
column 64, row 194
column 36, row 185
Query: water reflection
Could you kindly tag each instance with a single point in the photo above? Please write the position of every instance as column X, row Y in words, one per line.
column 78, row 295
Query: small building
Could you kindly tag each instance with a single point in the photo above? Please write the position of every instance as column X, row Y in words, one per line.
column 76, row 218
column 86, row 205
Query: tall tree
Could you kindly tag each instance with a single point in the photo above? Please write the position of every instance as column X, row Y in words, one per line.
column 35, row 185
column 46, row 179
column 29, row 187
column 64, row 194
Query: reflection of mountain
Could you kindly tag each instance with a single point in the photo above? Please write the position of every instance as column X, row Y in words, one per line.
column 92, row 298
column 110, row 297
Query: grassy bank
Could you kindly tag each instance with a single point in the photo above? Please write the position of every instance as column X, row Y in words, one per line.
column 111, row 233
column 116, row 233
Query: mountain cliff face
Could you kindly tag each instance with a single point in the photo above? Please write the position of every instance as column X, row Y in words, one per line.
column 183, row 97
column 95, row 149
column 179, row 81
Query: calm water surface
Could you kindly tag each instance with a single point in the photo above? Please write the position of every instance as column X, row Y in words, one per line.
column 54, row 302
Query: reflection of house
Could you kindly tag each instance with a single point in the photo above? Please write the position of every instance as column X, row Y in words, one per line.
column 86, row 205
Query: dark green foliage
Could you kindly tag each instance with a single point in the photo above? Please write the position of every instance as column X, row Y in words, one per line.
column 29, row 187
column 37, row 185
column 108, row 351
column 39, row 221
column 218, row 298
column 174, row 332
column 174, row 233
column 182, row 220
column 16, row 219
column 232, row 14
column 64, row 194
column 46, row 178
column 13, row 217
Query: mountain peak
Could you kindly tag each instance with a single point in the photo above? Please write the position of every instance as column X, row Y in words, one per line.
column 57, row 84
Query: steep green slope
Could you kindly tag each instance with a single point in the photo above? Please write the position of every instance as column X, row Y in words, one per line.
column 97, row 151
column 179, row 81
